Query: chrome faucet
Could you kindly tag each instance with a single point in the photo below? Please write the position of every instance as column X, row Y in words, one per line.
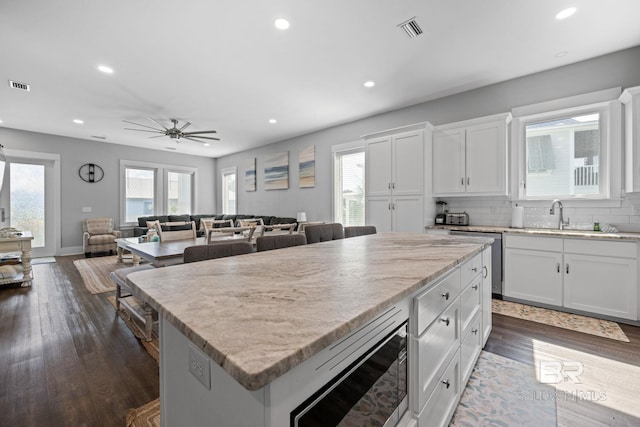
column 561, row 221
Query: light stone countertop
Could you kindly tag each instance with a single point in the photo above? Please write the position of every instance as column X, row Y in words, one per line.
column 260, row 315
column 551, row 232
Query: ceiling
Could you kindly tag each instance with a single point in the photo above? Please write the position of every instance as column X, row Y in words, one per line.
column 223, row 65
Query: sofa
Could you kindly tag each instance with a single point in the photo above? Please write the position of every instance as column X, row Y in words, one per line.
column 141, row 229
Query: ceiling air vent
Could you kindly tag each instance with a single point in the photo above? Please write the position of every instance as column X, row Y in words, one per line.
column 19, row 86
column 411, row 28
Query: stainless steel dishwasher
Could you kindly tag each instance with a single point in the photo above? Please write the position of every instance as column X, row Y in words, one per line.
column 496, row 257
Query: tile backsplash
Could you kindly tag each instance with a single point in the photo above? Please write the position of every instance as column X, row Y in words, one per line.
column 497, row 212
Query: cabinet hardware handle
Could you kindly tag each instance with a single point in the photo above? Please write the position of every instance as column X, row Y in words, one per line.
column 474, row 269
column 446, row 383
column 468, row 181
column 558, row 267
column 445, row 321
column 474, row 331
column 389, row 185
column 393, row 185
column 475, row 287
column 393, row 206
column 567, row 268
column 462, row 181
column 445, row 295
column 485, row 272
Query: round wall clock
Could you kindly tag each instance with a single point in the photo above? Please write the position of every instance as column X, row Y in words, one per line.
column 90, row 172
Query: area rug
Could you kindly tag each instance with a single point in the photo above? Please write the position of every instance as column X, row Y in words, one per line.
column 574, row 322
column 145, row 416
column 503, row 392
column 95, row 273
column 152, row 346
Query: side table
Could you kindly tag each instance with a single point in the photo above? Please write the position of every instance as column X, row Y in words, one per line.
column 19, row 243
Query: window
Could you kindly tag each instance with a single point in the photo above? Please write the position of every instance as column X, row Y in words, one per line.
column 567, row 153
column 153, row 189
column 229, row 191
column 140, row 189
column 349, row 187
column 179, row 192
column 563, row 156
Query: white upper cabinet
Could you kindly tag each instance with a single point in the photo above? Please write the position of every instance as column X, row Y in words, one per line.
column 394, row 178
column 470, row 157
column 631, row 100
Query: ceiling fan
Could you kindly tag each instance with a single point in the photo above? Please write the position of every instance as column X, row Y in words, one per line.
column 176, row 132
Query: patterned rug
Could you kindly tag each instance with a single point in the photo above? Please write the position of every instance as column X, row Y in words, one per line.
column 503, row 392
column 574, row 322
column 95, row 273
column 145, row 416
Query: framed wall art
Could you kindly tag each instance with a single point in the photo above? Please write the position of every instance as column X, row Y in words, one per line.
column 250, row 174
column 276, row 171
column 307, row 165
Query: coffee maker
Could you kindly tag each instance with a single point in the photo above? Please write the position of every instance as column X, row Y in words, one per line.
column 441, row 212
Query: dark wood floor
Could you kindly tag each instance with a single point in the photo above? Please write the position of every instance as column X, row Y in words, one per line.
column 66, row 358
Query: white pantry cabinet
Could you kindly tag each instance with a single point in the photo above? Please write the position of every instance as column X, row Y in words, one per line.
column 470, row 157
column 591, row 275
column 631, row 100
column 394, row 179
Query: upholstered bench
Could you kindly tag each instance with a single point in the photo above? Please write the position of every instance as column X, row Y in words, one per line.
column 148, row 316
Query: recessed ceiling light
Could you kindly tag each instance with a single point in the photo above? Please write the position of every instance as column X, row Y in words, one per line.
column 564, row 14
column 281, row 24
column 561, row 54
column 0, row 121
column 369, row 84
column 105, row 69
column 206, row 144
column 78, row 121
column 273, row 121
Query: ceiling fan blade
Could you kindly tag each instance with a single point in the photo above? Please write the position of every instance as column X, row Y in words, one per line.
column 186, row 125
column 158, row 123
column 138, row 124
column 201, row 131
column 157, row 136
column 144, row 130
column 200, row 137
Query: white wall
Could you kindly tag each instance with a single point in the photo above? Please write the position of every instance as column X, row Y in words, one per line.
column 614, row 70
column 103, row 197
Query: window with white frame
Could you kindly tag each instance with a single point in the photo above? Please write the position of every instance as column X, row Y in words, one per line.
column 229, row 190
column 568, row 153
column 155, row 189
column 348, row 193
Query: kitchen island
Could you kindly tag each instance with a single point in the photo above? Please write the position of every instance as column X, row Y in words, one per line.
column 239, row 335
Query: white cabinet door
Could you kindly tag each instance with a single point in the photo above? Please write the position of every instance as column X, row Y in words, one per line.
column 407, row 214
column 378, row 167
column 378, row 213
column 408, row 164
column 631, row 100
column 449, row 162
column 486, row 294
column 486, row 158
column 533, row 276
column 601, row 284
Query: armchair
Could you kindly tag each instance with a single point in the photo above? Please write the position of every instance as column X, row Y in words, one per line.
column 98, row 235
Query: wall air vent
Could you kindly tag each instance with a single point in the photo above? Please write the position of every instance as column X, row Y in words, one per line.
column 411, row 28
column 19, row 86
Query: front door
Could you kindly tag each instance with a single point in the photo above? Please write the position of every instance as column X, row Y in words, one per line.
column 26, row 201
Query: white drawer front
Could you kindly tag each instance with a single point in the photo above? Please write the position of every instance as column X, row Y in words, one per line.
column 429, row 304
column 470, row 348
column 435, row 347
column 470, row 269
column 601, row 247
column 552, row 244
column 470, row 303
column 442, row 402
